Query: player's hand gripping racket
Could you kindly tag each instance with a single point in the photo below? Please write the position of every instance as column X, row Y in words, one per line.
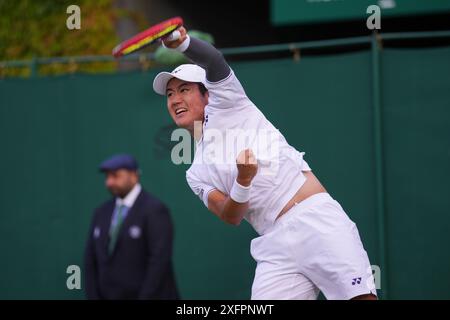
column 165, row 29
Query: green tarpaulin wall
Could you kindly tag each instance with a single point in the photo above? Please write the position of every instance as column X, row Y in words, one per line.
column 285, row 12
column 55, row 131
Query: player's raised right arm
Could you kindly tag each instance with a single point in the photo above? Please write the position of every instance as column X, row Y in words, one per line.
column 203, row 54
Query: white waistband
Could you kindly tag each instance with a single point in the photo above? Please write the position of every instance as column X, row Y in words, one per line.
column 308, row 202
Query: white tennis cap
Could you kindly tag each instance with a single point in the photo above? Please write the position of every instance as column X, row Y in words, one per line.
column 186, row 72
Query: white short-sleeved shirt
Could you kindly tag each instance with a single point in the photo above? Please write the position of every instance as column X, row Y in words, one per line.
column 233, row 123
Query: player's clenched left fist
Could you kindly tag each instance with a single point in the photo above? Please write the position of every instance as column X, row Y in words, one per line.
column 247, row 167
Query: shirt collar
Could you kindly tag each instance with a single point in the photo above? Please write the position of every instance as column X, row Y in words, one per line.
column 130, row 198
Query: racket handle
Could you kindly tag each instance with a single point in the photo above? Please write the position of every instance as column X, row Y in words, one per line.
column 175, row 35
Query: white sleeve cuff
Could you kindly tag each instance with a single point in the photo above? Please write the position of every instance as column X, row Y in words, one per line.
column 182, row 47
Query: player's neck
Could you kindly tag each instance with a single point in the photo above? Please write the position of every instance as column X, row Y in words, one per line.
column 197, row 130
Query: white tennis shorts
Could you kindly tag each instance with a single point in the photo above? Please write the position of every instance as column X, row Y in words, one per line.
column 312, row 247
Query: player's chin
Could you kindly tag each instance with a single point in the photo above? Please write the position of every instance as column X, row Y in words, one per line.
column 183, row 122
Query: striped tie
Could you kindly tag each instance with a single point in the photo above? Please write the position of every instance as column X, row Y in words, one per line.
column 115, row 228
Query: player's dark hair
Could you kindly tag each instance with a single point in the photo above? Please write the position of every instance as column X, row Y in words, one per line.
column 202, row 88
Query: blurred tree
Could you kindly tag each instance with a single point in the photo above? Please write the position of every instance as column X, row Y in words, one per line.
column 30, row 28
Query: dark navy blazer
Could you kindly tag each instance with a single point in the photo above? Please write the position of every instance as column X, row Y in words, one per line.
column 141, row 265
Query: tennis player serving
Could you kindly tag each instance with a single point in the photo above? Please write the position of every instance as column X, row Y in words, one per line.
column 306, row 242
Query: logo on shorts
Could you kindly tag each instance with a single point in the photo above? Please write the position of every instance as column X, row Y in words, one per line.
column 356, row 281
